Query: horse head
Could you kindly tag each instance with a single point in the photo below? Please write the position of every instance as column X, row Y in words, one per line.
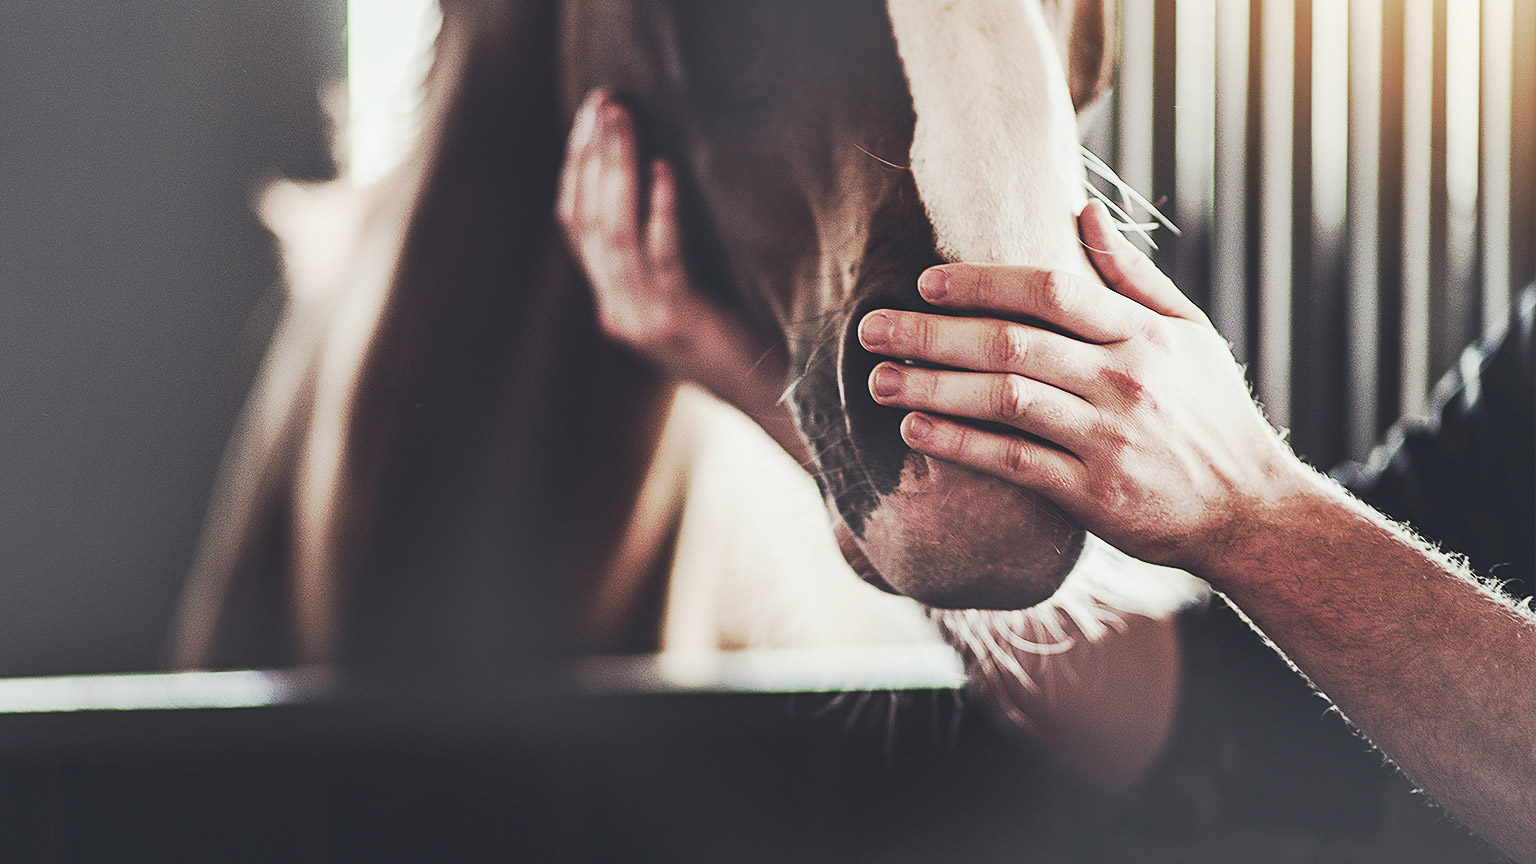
column 441, row 448
column 830, row 152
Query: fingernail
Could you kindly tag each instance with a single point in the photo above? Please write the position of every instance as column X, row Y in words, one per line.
column 876, row 329
column 918, row 427
column 933, row 284
column 887, row 380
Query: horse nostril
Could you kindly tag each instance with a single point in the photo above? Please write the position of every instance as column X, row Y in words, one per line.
column 875, row 428
column 858, row 364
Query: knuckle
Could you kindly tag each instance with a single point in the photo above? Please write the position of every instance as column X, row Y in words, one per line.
column 1009, row 346
column 1058, row 290
column 1114, row 436
column 620, row 234
column 1153, row 330
column 922, row 333
column 1010, row 397
column 1141, row 269
column 1111, row 495
column 1123, row 384
column 1016, row 457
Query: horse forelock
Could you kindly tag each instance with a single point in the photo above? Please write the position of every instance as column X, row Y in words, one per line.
column 994, row 151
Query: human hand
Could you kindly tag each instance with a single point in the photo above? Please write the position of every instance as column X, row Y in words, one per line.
column 627, row 240
column 1123, row 404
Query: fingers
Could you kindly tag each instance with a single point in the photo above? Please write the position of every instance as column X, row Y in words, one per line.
column 1076, row 305
column 599, row 209
column 1126, row 270
column 984, row 345
column 633, row 259
column 1016, row 459
column 614, row 177
column 600, row 196
column 576, row 147
column 1014, row 400
column 663, row 243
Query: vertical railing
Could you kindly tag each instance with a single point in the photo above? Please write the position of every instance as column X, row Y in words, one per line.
column 1362, row 209
column 1497, row 97
column 1356, row 180
column 1418, row 180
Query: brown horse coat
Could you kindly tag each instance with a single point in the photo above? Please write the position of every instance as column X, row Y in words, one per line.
column 443, row 463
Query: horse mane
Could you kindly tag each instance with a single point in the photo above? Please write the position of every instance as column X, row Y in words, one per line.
column 441, row 457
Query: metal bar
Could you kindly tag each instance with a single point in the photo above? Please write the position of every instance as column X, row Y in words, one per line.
column 1457, row 309
column 1194, row 140
column 1275, row 208
column 1320, row 320
column 1418, row 132
column 1229, row 233
column 1330, row 127
column 1133, row 105
column 1498, row 45
column 1522, row 167
column 1364, row 178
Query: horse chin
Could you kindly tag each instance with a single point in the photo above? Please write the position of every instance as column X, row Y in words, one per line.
column 943, row 535
column 951, row 538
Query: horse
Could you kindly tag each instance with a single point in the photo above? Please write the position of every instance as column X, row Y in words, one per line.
column 443, row 463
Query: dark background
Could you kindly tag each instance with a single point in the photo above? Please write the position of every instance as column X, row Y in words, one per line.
column 137, row 289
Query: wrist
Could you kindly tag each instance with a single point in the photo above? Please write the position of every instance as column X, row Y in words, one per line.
column 1266, row 528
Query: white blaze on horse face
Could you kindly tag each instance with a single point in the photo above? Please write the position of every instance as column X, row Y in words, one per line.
column 995, row 151
column 995, row 160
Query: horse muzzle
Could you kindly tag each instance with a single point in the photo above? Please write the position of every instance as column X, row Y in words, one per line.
column 944, row 535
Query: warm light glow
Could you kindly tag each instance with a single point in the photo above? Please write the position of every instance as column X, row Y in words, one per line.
column 1462, row 38
column 1229, row 239
column 1330, row 120
column 1276, row 156
column 1498, row 22
column 1418, row 139
column 388, row 51
column 1363, row 172
column 1195, row 111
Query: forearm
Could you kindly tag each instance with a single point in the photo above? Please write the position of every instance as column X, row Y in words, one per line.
column 1123, row 405
column 1437, row 670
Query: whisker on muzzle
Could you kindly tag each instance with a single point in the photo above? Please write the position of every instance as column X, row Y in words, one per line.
column 1035, row 649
